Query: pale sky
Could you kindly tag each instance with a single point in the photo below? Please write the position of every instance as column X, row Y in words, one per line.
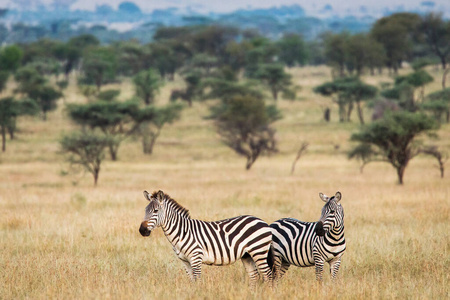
column 204, row 6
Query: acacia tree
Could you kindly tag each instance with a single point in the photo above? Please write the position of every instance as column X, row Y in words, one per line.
column 276, row 79
column 244, row 125
column 152, row 120
column 86, row 149
column 99, row 66
column 147, row 84
column 392, row 139
column 32, row 84
column 348, row 91
column 193, row 90
column 10, row 109
column 439, row 104
column 436, row 34
column 114, row 119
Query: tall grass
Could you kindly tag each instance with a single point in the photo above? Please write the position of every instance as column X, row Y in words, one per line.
column 62, row 238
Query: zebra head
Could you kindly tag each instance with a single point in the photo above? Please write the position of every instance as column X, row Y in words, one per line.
column 332, row 218
column 153, row 212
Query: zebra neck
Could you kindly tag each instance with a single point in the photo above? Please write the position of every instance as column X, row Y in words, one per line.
column 176, row 227
column 336, row 233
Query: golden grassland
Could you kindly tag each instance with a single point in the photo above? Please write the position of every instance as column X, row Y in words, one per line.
column 62, row 238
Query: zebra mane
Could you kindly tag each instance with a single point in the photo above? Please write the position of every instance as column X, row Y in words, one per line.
column 172, row 204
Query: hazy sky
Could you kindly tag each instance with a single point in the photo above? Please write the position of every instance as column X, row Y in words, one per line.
column 340, row 6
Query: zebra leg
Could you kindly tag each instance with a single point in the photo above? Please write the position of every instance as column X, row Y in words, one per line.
column 283, row 268
column 189, row 271
column 250, row 267
column 319, row 268
column 334, row 267
column 193, row 269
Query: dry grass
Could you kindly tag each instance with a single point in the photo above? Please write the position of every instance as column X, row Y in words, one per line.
column 69, row 241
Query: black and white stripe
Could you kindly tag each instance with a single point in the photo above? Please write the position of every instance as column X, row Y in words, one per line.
column 214, row 243
column 306, row 244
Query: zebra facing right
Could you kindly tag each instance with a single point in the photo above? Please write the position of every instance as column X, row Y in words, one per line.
column 306, row 244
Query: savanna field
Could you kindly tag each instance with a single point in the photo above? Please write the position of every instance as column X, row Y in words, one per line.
column 63, row 238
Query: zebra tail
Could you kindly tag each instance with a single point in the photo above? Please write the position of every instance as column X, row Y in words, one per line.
column 271, row 259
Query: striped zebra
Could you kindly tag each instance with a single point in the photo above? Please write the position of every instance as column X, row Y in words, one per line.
column 305, row 244
column 213, row 243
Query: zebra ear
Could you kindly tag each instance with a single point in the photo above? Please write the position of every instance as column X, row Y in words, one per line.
column 147, row 196
column 160, row 196
column 323, row 197
column 338, row 197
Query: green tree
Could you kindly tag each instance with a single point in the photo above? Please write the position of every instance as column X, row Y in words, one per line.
column 417, row 79
column 363, row 52
column 10, row 110
column 349, row 90
column 396, row 33
column 85, row 149
column 114, row 119
column 152, row 120
column 439, row 104
column 147, row 84
column 275, row 78
column 99, row 66
column 436, row 35
column 10, row 58
column 392, row 139
column 4, row 76
column 244, row 125
column 292, row 50
column 193, row 90
column 336, row 50
column 32, row 84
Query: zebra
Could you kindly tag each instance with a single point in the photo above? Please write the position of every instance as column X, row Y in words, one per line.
column 213, row 243
column 305, row 244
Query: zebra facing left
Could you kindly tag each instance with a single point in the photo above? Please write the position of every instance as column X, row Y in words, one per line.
column 220, row 243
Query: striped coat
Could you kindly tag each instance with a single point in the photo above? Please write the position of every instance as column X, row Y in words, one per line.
column 306, row 244
column 197, row 242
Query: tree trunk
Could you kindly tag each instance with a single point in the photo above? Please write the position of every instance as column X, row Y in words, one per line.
column 400, row 172
column 96, row 172
column 113, row 152
column 326, row 114
column 274, row 93
column 349, row 112
column 3, row 139
column 360, row 112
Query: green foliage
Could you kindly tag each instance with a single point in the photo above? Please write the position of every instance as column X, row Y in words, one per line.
column 396, row 33
column 292, row 50
column 10, row 109
column 115, row 119
column 86, row 149
column 108, row 95
column 152, row 120
column 275, row 78
column 416, row 79
column 336, row 50
column 10, row 58
column 99, row 66
column 348, row 90
column 4, row 76
column 147, row 84
column 46, row 98
column 436, row 35
column 244, row 125
column 438, row 103
column 226, row 89
column 34, row 85
column 392, row 138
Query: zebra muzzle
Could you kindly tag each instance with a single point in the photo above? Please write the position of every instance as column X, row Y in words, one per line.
column 143, row 230
column 319, row 229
